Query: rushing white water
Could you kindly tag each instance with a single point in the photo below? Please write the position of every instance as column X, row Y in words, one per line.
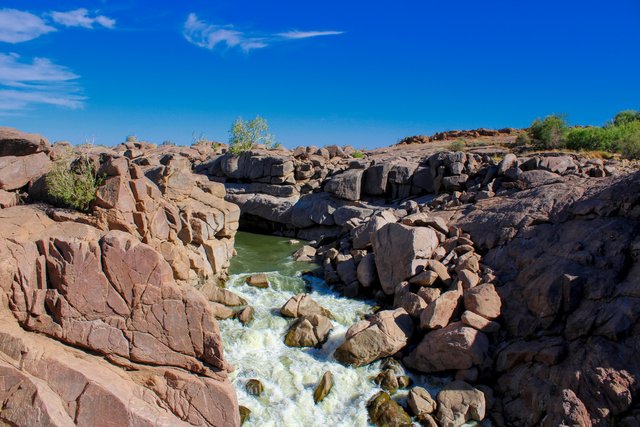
column 289, row 375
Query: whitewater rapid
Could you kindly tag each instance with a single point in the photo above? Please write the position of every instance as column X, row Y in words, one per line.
column 290, row 374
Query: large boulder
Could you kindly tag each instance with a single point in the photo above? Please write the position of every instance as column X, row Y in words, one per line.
column 16, row 172
column 483, row 300
column 458, row 402
column 303, row 305
column 17, row 143
column 383, row 335
column 346, row 185
column 456, row 346
column 308, row 331
column 399, row 251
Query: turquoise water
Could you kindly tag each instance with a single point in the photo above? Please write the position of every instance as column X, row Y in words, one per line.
column 289, row 374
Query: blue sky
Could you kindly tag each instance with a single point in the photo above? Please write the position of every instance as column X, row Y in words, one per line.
column 365, row 73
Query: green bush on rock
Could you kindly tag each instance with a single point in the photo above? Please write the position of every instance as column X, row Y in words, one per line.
column 246, row 135
column 73, row 183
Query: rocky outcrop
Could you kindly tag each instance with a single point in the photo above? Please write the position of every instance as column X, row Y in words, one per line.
column 108, row 293
column 120, row 333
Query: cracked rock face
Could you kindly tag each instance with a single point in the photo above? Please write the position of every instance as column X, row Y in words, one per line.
column 115, row 296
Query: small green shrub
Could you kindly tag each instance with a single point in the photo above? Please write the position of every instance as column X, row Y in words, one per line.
column 608, row 138
column 73, row 183
column 458, row 145
column 358, row 154
column 548, row 133
column 625, row 117
column 245, row 135
column 629, row 144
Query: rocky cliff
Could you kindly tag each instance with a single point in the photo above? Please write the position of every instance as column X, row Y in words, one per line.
column 99, row 316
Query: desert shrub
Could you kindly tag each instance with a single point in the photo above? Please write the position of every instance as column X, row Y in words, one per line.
column 73, row 183
column 548, row 133
column 458, row 145
column 625, row 117
column 358, row 154
column 245, row 135
column 132, row 138
column 613, row 138
column 629, row 143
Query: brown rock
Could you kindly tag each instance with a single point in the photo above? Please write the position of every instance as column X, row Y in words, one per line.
column 468, row 278
column 458, row 402
column 440, row 269
column 483, row 300
column 220, row 311
column 386, row 333
column 420, row 402
column 387, row 380
column 323, row 388
column 423, row 219
column 303, row 305
column 254, row 387
column 439, row 312
column 480, row 323
column 259, row 280
column 17, row 143
column 384, row 411
column 306, row 253
column 16, row 172
column 308, row 331
column 366, row 271
column 245, row 316
column 399, row 250
column 454, row 347
column 8, row 199
column 429, row 294
column 424, row 278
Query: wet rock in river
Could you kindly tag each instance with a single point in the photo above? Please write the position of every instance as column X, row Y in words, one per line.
column 308, row 331
column 303, row 305
column 259, row 280
column 323, row 388
column 254, row 387
column 384, row 411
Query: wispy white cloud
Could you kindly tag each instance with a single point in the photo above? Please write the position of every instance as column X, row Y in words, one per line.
column 210, row 36
column 308, row 34
column 24, row 84
column 82, row 18
column 17, row 26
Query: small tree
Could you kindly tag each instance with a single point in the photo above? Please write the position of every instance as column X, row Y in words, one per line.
column 626, row 117
column 245, row 135
column 548, row 133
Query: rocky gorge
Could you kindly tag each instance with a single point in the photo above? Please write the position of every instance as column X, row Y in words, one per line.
column 510, row 274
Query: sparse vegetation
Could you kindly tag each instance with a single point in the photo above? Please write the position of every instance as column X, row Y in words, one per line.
column 548, row 133
column 620, row 135
column 458, row 145
column 131, row 138
column 358, row 154
column 73, row 183
column 246, row 135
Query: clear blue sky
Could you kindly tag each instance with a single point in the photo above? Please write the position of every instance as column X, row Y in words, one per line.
column 364, row 73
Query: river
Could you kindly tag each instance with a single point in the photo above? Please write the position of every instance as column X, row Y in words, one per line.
column 290, row 374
